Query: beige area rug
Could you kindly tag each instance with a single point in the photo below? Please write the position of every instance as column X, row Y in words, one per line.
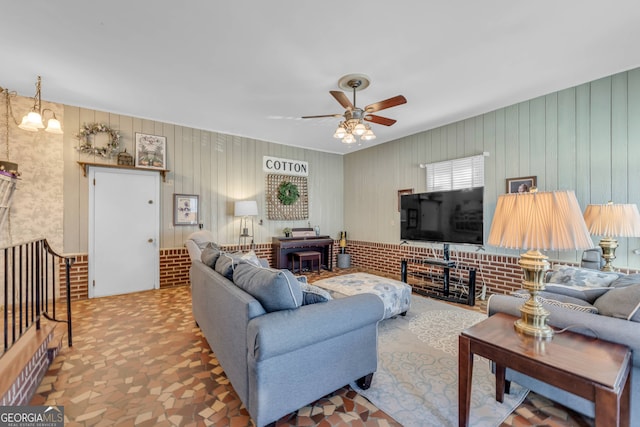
column 417, row 378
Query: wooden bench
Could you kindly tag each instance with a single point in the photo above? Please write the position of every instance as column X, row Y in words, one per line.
column 310, row 256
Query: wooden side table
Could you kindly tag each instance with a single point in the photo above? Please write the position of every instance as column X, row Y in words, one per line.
column 597, row 370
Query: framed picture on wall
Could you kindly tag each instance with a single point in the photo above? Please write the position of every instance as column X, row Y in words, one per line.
column 185, row 209
column 402, row 193
column 151, row 151
column 521, row 185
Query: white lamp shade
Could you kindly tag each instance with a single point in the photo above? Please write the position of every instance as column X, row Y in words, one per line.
column 540, row 221
column 613, row 220
column 53, row 126
column 340, row 132
column 25, row 125
column 360, row 129
column 34, row 120
column 245, row 208
column 349, row 139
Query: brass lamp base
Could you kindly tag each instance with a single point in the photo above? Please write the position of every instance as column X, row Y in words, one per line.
column 533, row 320
column 608, row 245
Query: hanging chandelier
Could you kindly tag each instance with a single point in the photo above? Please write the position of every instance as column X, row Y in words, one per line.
column 32, row 121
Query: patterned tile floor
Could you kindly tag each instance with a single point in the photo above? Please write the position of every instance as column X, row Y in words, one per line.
column 139, row 360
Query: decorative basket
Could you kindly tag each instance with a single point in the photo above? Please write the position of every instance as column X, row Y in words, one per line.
column 125, row 158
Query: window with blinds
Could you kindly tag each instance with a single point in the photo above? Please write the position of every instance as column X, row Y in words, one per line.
column 466, row 172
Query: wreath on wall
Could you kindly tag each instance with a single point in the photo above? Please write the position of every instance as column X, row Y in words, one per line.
column 87, row 147
column 288, row 193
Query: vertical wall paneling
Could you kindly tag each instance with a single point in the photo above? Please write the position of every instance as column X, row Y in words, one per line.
column 585, row 138
column 565, row 164
column 600, row 147
column 218, row 168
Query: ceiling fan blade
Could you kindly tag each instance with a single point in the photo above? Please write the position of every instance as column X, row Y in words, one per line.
column 387, row 103
column 379, row 120
column 323, row 115
column 341, row 98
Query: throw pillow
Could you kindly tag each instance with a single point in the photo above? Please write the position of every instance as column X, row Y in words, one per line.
column 274, row 289
column 582, row 283
column 227, row 262
column 201, row 238
column 313, row 294
column 558, row 300
column 623, row 303
column 626, row 280
column 209, row 256
column 251, row 258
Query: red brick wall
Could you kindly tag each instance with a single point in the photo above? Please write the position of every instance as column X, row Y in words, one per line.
column 79, row 274
column 174, row 267
column 499, row 273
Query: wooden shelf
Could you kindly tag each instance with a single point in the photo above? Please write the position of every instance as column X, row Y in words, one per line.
column 85, row 168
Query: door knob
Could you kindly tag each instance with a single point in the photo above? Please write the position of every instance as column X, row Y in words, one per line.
column 150, row 240
column 150, row 202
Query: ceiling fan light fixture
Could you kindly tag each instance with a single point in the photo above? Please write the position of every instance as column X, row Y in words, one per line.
column 368, row 135
column 349, row 139
column 359, row 129
column 340, row 132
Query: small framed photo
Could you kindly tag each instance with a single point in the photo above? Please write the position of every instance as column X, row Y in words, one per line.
column 151, row 151
column 402, row 193
column 185, row 209
column 521, row 185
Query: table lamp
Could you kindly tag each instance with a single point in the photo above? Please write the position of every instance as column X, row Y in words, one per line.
column 538, row 221
column 612, row 220
column 245, row 209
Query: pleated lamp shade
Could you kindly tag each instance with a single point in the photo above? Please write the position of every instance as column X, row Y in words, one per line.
column 540, row 221
column 613, row 220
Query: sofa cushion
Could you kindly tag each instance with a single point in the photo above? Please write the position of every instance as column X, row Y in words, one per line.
column 210, row 255
column 275, row 289
column 313, row 294
column 559, row 300
column 582, row 283
column 623, row 303
column 228, row 261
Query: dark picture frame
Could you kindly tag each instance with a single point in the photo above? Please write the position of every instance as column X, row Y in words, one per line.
column 521, row 185
column 185, row 209
column 402, row 193
column 151, row 151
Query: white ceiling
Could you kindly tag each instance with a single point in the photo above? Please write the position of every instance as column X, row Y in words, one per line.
column 252, row 68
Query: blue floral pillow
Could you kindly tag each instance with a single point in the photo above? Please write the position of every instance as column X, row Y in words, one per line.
column 582, row 283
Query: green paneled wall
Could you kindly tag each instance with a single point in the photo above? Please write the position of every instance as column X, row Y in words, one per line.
column 585, row 138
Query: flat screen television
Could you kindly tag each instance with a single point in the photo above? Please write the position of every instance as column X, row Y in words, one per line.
column 443, row 216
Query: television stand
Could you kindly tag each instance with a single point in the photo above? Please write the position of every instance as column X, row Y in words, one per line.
column 445, row 292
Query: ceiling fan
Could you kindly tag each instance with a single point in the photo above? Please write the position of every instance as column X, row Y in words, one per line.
column 353, row 115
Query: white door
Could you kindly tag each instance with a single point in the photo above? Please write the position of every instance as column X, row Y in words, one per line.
column 124, row 219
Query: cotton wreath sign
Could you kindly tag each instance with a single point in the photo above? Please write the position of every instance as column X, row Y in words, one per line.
column 86, row 145
column 288, row 193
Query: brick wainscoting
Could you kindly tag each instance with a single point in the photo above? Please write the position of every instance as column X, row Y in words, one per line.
column 499, row 273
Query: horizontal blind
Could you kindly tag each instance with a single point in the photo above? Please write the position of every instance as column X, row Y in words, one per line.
column 466, row 172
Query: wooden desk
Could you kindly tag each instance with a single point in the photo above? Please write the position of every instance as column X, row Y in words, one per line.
column 283, row 246
column 594, row 369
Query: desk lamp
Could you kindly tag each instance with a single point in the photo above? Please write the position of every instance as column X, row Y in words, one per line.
column 538, row 221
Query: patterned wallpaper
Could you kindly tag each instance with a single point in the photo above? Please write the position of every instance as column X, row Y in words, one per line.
column 37, row 208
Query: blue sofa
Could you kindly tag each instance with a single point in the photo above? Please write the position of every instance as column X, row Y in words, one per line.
column 609, row 309
column 279, row 360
